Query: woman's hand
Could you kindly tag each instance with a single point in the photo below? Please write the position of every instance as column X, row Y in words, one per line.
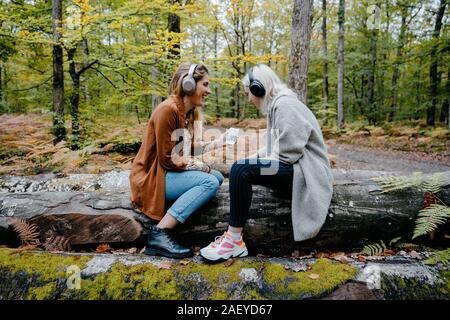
column 198, row 165
column 215, row 144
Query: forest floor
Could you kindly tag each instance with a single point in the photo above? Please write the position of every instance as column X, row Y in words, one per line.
column 110, row 143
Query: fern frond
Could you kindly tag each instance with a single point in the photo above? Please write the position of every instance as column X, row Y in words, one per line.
column 393, row 241
column 374, row 249
column 429, row 219
column 435, row 183
column 57, row 243
column 28, row 233
column 442, row 256
column 395, row 183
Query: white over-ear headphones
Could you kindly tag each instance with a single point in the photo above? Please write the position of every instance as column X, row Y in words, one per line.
column 189, row 83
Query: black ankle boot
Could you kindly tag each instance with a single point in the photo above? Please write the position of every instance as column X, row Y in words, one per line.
column 162, row 242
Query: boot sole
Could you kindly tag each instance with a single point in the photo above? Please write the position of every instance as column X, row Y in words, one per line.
column 156, row 252
column 242, row 254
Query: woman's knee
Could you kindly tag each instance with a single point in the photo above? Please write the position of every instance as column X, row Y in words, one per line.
column 218, row 176
column 241, row 170
column 210, row 182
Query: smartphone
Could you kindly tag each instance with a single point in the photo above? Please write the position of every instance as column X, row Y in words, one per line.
column 232, row 135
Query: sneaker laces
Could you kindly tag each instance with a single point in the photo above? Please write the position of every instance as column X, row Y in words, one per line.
column 218, row 240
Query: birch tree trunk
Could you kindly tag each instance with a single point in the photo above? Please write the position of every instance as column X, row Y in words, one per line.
column 399, row 55
column 373, row 34
column 299, row 54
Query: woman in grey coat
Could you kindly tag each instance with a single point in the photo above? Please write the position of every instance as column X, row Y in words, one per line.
column 295, row 159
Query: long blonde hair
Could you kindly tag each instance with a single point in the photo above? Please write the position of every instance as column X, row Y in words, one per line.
column 271, row 82
column 194, row 117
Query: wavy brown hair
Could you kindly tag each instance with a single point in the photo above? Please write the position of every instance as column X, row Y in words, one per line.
column 195, row 116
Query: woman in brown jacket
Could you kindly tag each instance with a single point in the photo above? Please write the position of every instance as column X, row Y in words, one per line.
column 160, row 173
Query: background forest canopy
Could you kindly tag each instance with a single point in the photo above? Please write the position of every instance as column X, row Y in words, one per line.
column 119, row 56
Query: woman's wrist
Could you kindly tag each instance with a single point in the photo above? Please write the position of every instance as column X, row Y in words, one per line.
column 199, row 166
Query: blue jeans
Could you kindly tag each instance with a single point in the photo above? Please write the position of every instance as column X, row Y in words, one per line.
column 189, row 190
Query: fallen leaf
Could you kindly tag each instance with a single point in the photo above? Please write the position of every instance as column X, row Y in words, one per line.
column 295, row 254
column 184, row 262
column 314, row 276
column 103, row 248
column 403, row 253
column 334, row 254
column 413, row 254
column 260, row 268
column 389, row 252
column 165, row 265
column 229, row 262
column 132, row 250
column 319, row 255
column 361, row 258
column 341, row 258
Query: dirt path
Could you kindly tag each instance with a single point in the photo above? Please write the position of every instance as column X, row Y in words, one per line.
column 360, row 158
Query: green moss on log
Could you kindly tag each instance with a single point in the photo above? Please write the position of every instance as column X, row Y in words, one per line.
column 323, row 277
column 143, row 282
column 31, row 275
column 398, row 288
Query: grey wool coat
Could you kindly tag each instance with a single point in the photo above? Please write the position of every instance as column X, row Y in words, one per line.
column 294, row 137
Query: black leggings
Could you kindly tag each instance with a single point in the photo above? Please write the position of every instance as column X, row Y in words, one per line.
column 247, row 172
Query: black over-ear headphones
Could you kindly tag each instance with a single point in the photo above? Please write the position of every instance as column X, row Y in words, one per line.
column 189, row 83
column 256, row 87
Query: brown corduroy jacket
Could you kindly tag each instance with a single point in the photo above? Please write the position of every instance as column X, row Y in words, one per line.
column 154, row 158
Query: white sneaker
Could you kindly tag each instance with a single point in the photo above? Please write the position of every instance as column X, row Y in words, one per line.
column 224, row 248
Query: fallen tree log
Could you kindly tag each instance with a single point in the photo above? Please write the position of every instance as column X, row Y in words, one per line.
column 359, row 213
column 68, row 276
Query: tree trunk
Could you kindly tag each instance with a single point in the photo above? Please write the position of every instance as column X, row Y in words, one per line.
column 238, row 101
column 434, row 83
column 398, row 58
column 2, row 106
column 325, row 93
column 359, row 213
column 59, row 129
column 373, row 34
column 75, row 98
column 444, row 117
column 87, row 94
column 174, row 25
column 341, row 56
column 299, row 53
column 216, row 56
